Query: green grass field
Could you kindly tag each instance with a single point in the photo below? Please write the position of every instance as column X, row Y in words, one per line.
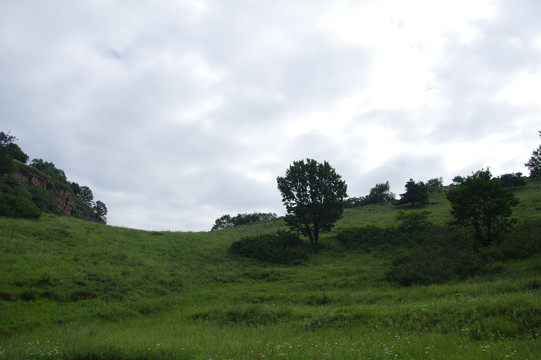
column 70, row 289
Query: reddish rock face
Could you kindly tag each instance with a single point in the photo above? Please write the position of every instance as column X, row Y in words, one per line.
column 63, row 196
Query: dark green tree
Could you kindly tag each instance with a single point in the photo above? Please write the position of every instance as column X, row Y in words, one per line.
column 484, row 203
column 7, row 165
column 100, row 210
column 381, row 193
column 223, row 222
column 512, row 180
column 7, row 142
column 49, row 168
column 313, row 194
column 435, row 185
column 86, row 194
column 415, row 192
column 534, row 164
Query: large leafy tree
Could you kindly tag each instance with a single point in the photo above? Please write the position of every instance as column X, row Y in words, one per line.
column 313, row 194
column 534, row 164
column 484, row 203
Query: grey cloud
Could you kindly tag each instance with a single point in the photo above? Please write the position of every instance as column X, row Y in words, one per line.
column 174, row 115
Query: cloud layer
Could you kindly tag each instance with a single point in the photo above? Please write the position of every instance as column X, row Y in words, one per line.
column 177, row 112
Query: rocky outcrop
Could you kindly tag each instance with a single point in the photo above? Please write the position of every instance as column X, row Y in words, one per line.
column 62, row 194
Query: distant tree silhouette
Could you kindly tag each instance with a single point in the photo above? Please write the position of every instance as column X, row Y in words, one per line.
column 416, row 192
column 534, row 164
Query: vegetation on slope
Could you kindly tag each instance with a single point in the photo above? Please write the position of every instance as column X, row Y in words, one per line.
column 42, row 184
column 77, row 290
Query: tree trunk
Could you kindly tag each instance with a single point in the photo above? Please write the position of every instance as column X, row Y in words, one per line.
column 316, row 239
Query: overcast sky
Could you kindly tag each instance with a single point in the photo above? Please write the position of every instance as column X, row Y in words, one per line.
column 176, row 112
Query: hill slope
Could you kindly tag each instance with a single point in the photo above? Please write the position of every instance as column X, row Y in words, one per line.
column 77, row 290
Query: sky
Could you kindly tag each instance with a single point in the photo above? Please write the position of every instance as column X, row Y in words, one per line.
column 176, row 112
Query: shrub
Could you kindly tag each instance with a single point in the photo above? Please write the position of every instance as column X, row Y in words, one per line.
column 512, row 180
column 413, row 220
column 434, row 265
column 18, row 207
column 44, row 200
column 523, row 241
column 11, row 185
column 282, row 247
column 370, row 237
column 441, row 254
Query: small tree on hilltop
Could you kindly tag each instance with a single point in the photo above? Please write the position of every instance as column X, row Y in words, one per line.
column 415, row 192
column 435, row 184
column 100, row 210
column 534, row 164
column 313, row 194
column 381, row 193
column 482, row 202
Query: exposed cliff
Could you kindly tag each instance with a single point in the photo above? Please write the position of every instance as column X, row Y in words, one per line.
column 44, row 185
column 62, row 194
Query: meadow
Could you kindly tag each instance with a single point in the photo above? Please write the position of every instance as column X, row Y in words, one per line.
column 77, row 290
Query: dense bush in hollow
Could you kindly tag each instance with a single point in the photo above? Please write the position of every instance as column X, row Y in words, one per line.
column 282, row 248
column 429, row 265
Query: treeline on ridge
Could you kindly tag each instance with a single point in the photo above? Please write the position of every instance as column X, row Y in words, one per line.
column 228, row 221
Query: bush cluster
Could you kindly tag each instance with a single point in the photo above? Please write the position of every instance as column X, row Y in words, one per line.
column 422, row 253
column 18, row 207
column 369, row 238
column 431, row 254
column 280, row 248
column 434, row 264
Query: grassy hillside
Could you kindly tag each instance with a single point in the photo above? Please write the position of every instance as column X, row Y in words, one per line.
column 70, row 289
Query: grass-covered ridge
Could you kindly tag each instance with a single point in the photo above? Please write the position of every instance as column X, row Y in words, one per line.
column 71, row 289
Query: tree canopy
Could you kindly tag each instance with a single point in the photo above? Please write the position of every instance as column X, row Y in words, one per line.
column 415, row 192
column 512, row 180
column 534, row 164
column 7, row 143
column 313, row 194
column 380, row 193
column 484, row 203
